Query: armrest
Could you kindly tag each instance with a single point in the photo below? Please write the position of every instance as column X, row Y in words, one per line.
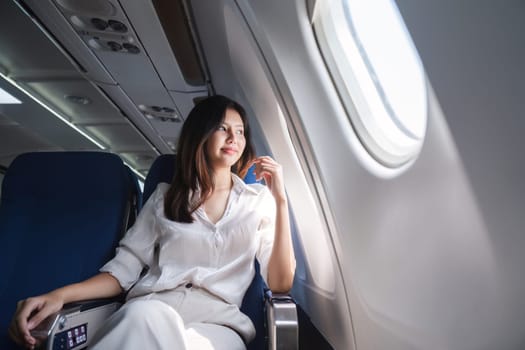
column 75, row 324
column 282, row 322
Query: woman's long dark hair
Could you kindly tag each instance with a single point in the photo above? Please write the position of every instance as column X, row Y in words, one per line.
column 192, row 168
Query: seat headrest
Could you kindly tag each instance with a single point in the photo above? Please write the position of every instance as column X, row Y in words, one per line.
column 162, row 170
column 44, row 175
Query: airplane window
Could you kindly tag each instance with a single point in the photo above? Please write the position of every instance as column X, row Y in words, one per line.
column 378, row 74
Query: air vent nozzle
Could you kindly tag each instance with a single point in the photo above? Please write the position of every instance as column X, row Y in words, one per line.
column 158, row 113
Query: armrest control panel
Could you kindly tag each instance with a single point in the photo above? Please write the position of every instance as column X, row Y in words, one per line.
column 74, row 326
column 70, row 338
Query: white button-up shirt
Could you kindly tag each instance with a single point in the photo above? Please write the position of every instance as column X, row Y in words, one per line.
column 217, row 257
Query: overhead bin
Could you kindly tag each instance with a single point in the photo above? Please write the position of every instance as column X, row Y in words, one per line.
column 141, row 59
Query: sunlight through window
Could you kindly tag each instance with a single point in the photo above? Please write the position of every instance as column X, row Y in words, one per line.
column 378, row 73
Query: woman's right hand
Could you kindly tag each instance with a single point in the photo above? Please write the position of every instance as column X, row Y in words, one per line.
column 29, row 313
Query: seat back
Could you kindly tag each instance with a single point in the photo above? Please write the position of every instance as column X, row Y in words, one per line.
column 162, row 170
column 61, row 217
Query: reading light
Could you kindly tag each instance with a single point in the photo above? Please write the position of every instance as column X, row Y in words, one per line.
column 8, row 99
column 81, row 100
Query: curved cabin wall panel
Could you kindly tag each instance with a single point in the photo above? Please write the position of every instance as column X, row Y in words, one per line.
column 480, row 88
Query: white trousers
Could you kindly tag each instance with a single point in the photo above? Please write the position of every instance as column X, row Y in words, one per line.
column 182, row 319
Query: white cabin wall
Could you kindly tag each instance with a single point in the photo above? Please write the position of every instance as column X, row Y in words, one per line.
column 474, row 54
column 417, row 263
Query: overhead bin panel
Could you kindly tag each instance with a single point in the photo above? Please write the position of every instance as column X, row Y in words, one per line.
column 14, row 136
column 136, row 116
column 77, row 100
column 165, row 33
column 20, row 39
column 166, row 36
column 44, row 12
column 110, row 36
column 159, row 73
column 186, row 100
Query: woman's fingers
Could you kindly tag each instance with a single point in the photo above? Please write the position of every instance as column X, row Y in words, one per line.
column 266, row 164
column 19, row 327
column 29, row 314
column 268, row 169
column 15, row 335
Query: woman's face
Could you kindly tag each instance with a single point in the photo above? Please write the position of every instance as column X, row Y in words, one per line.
column 226, row 144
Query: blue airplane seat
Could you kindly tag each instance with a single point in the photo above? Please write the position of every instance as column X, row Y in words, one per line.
column 61, row 216
column 162, row 170
column 136, row 195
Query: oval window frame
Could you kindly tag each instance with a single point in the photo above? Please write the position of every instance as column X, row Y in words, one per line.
column 382, row 127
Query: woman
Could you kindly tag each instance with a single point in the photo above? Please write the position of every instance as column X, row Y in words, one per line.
column 197, row 239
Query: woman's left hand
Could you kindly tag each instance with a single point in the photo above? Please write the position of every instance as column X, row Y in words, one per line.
column 281, row 265
column 272, row 172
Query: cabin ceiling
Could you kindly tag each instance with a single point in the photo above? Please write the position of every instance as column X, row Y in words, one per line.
column 123, row 73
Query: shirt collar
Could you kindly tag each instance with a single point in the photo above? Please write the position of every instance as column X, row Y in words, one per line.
column 239, row 185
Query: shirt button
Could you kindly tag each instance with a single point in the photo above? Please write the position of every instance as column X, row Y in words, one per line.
column 189, row 285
